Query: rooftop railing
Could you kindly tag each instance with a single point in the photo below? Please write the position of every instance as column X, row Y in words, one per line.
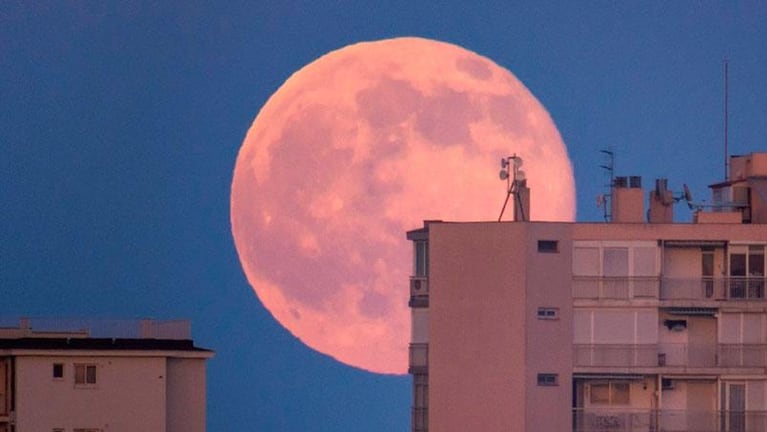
column 96, row 328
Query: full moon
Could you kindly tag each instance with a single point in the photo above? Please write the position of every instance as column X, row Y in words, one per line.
column 357, row 148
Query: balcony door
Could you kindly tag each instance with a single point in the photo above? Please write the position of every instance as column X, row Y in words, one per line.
column 733, row 407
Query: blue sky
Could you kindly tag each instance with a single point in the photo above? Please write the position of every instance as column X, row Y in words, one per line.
column 120, row 125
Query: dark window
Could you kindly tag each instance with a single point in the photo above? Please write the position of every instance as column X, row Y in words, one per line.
column 548, row 379
column 58, row 370
column 85, row 374
column 421, row 258
column 548, row 246
column 548, row 313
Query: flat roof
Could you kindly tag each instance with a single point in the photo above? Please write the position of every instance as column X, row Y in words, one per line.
column 101, row 344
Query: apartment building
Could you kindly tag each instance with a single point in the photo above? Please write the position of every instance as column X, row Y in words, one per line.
column 101, row 376
column 637, row 324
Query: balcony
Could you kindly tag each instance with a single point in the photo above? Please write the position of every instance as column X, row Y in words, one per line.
column 616, row 288
column 419, row 357
column 709, row 288
column 419, row 291
column 638, row 420
column 735, row 288
column 419, row 419
column 670, row 355
column 616, row 355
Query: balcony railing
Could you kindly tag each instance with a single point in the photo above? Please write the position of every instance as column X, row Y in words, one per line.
column 671, row 354
column 419, row 355
column 637, row 420
column 616, row 355
column 419, row 419
column 667, row 288
column 709, row 288
column 619, row 288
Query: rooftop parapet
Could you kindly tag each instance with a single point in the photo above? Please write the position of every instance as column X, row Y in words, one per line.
column 26, row 327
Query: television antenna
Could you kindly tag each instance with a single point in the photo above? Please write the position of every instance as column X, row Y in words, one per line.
column 515, row 179
column 603, row 200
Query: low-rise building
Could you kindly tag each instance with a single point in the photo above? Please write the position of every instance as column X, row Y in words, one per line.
column 99, row 376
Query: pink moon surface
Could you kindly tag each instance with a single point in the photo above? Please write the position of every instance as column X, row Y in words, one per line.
column 357, row 148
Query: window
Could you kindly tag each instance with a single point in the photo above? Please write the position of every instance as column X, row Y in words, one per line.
column 747, row 267
column 548, row 379
column 548, row 246
column 85, row 375
column 58, row 371
column 610, row 393
column 548, row 313
column 421, row 258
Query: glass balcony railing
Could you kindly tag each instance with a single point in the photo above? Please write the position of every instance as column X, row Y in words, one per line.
column 616, row 355
column 419, row 355
column 618, row 288
column 626, row 419
column 669, row 288
column 670, row 355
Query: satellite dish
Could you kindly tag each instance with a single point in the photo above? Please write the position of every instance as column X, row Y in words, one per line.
column 503, row 174
column 519, row 176
column 517, row 162
column 504, row 162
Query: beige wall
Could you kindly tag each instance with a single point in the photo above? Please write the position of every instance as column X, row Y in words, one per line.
column 616, row 231
column 549, row 342
column 129, row 395
column 185, row 395
column 477, row 371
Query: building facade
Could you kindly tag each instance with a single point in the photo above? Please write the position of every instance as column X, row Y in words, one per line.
column 632, row 325
column 135, row 376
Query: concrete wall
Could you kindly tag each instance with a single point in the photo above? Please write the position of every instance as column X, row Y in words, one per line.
column 477, row 337
column 185, row 395
column 549, row 342
column 129, row 394
column 617, row 231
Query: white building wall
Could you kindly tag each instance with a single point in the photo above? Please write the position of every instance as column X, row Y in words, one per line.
column 129, row 394
column 185, row 395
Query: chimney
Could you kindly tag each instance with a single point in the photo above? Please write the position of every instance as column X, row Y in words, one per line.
column 661, row 203
column 627, row 204
column 522, row 202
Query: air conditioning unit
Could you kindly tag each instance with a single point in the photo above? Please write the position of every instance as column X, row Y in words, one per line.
column 419, row 286
column 667, row 384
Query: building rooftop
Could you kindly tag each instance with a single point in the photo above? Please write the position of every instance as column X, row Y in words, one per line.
column 94, row 334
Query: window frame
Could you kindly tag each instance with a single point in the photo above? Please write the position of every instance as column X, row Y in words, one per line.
column 86, row 379
column 613, row 397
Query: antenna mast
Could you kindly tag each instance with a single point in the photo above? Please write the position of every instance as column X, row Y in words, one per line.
column 726, row 97
column 604, row 199
column 515, row 181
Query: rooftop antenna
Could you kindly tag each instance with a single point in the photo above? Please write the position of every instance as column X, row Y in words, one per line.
column 514, row 181
column 726, row 115
column 603, row 200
